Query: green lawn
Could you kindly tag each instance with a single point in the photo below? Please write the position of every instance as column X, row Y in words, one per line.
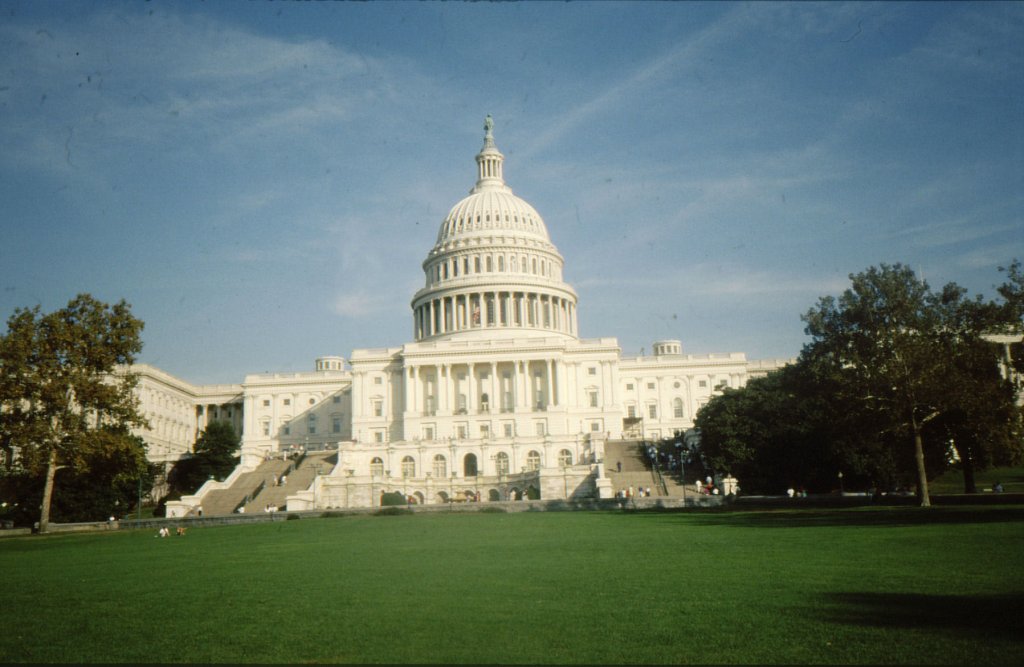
column 952, row 481
column 868, row 585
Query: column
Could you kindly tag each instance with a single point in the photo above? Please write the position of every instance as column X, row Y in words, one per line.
column 551, row 394
column 495, row 388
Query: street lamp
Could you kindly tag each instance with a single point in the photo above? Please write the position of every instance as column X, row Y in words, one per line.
column 841, row 490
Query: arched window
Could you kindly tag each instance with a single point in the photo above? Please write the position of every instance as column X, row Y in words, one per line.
column 533, row 460
column 677, row 408
column 564, row 458
column 476, row 264
column 489, row 264
column 501, row 262
column 440, row 466
column 376, row 466
column 469, row 468
column 501, row 463
column 408, row 467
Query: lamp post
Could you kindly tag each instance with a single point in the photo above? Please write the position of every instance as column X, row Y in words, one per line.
column 841, row 489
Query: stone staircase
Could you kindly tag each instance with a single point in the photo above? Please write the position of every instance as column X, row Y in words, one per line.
column 224, row 501
column 297, row 480
column 637, row 471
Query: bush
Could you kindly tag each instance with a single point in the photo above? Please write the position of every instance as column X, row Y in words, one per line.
column 393, row 511
column 392, row 499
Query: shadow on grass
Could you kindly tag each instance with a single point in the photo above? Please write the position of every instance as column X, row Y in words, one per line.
column 992, row 616
column 866, row 516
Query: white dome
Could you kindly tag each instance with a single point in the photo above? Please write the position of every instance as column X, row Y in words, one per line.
column 489, row 210
column 493, row 270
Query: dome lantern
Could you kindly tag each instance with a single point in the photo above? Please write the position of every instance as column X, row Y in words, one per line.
column 489, row 161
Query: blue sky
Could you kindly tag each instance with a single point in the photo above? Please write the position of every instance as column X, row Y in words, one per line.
column 261, row 181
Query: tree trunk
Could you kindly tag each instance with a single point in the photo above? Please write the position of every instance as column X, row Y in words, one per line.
column 970, row 486
column 44, row 509
column 922, row 474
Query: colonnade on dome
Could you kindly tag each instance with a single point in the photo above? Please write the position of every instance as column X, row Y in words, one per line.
column 482, row 310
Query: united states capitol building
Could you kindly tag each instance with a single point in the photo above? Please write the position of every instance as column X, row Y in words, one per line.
column 496, row 394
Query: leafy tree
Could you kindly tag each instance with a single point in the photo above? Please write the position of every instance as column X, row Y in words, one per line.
column 215, row 456
column 773, row 433
column 65, row 396
column 906, row 356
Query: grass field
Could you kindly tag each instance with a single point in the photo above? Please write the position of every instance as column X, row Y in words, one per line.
column 868, row 585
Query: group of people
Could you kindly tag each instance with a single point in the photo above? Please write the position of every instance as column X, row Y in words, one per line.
column 166, row 532
column 707, row 488
column 630, row 493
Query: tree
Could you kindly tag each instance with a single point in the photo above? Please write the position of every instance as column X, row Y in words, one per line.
column 907, row 356
column 776, row 432
column 65, row 392
column 214, row 457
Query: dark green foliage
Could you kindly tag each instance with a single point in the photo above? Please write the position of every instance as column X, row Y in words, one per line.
column 393, row 499
column 897, row 384
column 214, row 457
column 66, row 396
column 393, row 511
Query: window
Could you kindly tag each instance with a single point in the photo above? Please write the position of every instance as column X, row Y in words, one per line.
column 461, row 430
column 592, row 396
column 592, row 370
column 378, row 408
column 311, row 425
column 564, row 458
column 501, row 463
column 287, row 428
column 287, row 401
column 508, row 430
column 337, row 399
column 533, row 461
column 378, row 436
column 650, row 385
column 377, row 466
column 312, row 401
column 631, row 411
column 428, row 432
column 595, row 427
column 266, row 427
column 703, row 383
column 469, row 467
column 440, row 466
column 677, row 408
column 629, row 386
column 377, row 380
column 408, row 467
column 336, row 425
column 541, row 429
column 485, row 430
column 266, row 402
column 652, row 411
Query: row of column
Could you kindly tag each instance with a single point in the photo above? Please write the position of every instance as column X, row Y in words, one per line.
column 436, row 388
column 484, row 310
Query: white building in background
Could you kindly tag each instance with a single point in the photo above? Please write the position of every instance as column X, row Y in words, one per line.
column 496, row 392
